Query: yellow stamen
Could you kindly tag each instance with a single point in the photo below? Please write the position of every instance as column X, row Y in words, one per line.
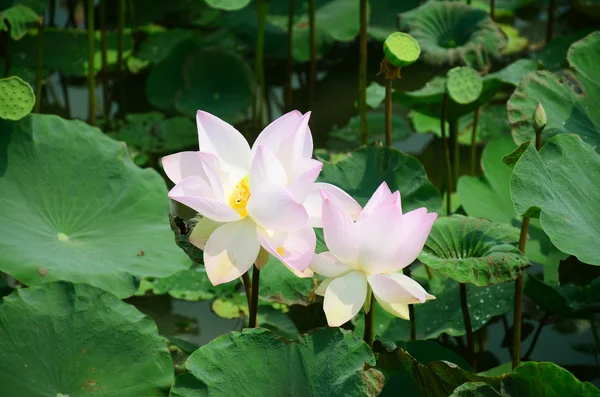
column 240, row 196
column 280, row 250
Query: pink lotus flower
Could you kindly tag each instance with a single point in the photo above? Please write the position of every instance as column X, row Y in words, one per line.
column 252, row 197
column 370, row 250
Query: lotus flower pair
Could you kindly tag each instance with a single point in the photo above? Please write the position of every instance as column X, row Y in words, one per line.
column 265, row 197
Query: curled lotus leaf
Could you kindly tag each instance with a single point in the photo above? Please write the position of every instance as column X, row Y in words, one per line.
column 454, row 34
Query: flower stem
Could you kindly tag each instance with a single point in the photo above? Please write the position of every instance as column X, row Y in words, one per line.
column 362, row 74
column 90, row 77
column 493, row 9
column 259, row 66
column 388, row 112
column 312, row 79
column 104, row 45
column 516, row 356
column 474, row 141
column 247, row 288
column 411, row 311
column 450, row 187
column 596, row 338
column 468, row 328
column 454, row 151
column 550, row 25
column 40, row 66
column 252, row 321
column 369, row 335
column 289, row 60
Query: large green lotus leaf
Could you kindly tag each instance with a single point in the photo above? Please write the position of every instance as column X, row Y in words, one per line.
column 493, row 122
column 454, row 34
column 488, row 197
column 428, row 100
column 571, row 98
column 159, row 45
column 554, row 54
column 217, row 82
column 74, row 207
column 382, row 21
column 61, row 339
column 474, row 250
column 363, row 170
column 560, row 184
column 228, row 5
column 69, row 50
column 18, row 19
column 16, row 98
column 349, row 136
column 443, row 314
column 397, row 379
column 153, row 133
column 324, row 362
column 335, row 21
column 531, row 379
column 503, row 8
column 572, row 301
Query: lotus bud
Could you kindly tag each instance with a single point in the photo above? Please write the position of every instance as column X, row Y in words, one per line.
column 539, row 118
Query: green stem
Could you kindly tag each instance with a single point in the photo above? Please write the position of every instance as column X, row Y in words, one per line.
column 455, row 153
column 312, row 78
column 474, row 141
column 252, row 321
column 493, row 9
column 550, row 25
column 468, row 328
column 388, row 112
column 91, row 78
column 362, row 74
column 447, row 153
column 289, row 58
column 104, row 44
column 247, row 288
column 5, row 52
column 259, row 69
column 120, row 54
column 516, row 355
column 52, row 12
column 411, row 311
column 369, row 335
column 40, row 66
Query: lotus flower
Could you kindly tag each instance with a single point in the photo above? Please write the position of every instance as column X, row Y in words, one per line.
column 370, row 252
column 264, row 196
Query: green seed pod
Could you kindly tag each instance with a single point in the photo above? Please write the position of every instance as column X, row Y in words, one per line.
column 401, row 49
column 16, row 98
column 464, row 85
column 539, row 118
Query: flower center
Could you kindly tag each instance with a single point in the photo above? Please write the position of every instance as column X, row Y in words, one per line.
column 240, row 196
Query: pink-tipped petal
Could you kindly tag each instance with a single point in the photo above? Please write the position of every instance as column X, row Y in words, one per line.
column 397, row 288
column 211, row 166
column 327, row 265
column 197, row 194
column 230, row 251
column 301, row 186
column 382, row 193
column 278, row 131
column 314, row 202
column 221, row 139
column 266, row 170
column 378, row 241
column 412, row 233
column 179, row 166
column 202, row 231
column 295, row 249
column 275, row 209
column 344, row 298
column 340, row 233
column 298, row 146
